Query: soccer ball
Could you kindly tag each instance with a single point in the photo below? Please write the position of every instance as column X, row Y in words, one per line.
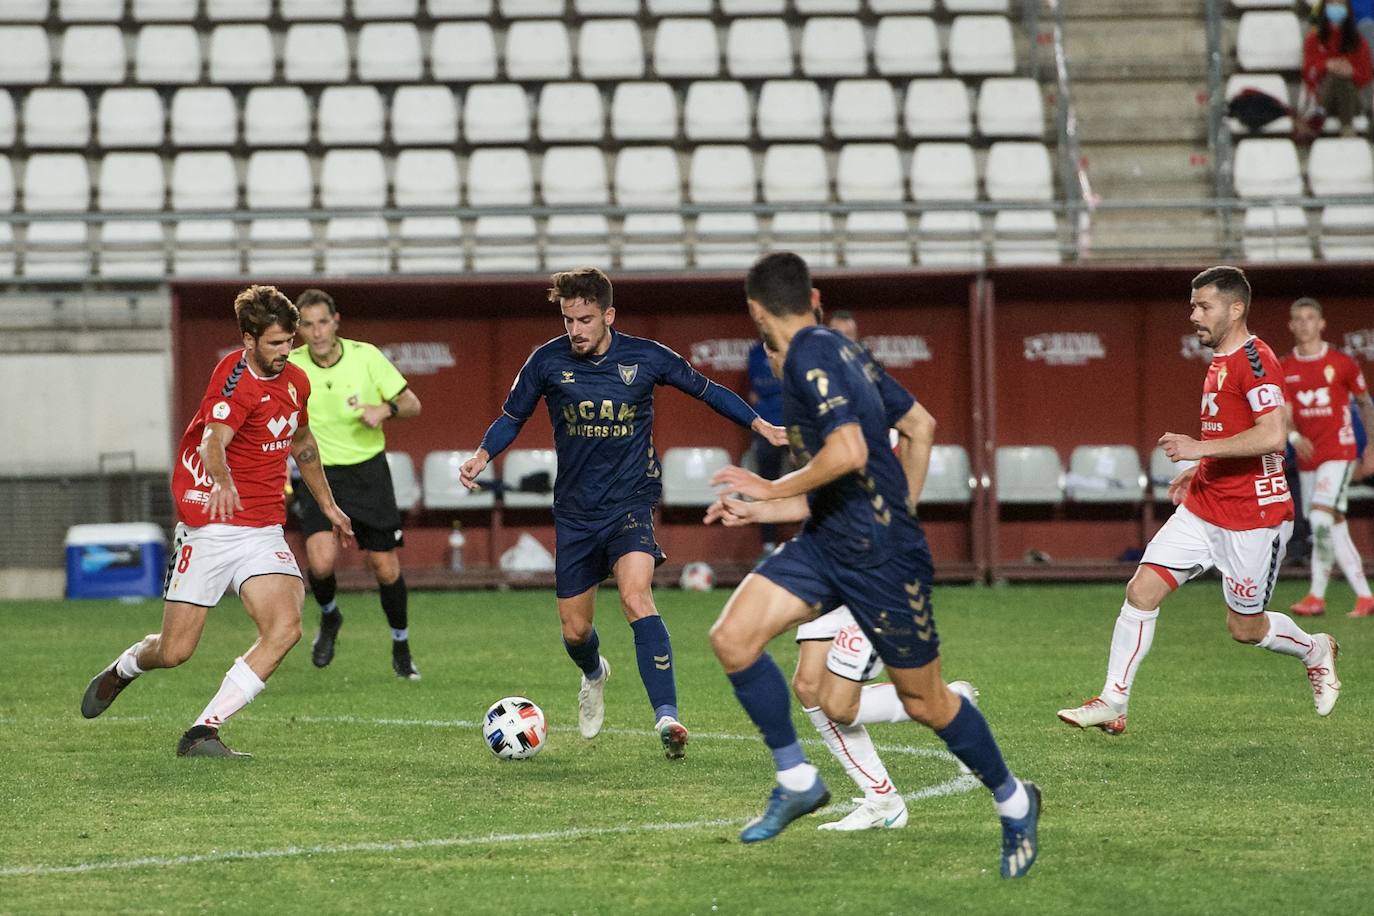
column 697, row 577
column 514, row 728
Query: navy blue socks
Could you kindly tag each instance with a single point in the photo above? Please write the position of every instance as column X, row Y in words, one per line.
column 654, row 654
column 586, row 655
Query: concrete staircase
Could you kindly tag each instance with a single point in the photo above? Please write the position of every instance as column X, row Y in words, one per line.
column 1139, row 76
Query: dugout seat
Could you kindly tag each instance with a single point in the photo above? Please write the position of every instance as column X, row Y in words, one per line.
column 790, row 110
column 57, row 119
column 982, row 46
column 884, row 7
column 863, row 109
column 949, row 479
column 430, row 244
column 130, row 118
column 528, row 475
column 975, row 6
column 24, row 56
column 571, row 113
column 441, row 489
column 167, row 55
column 206, row 116
column 1010, row 107
column 389, row 52
column 350, row 116
column 316, row 52
column 1029, row 474
column 423, row 115
column 716, row 110
column 937, row 108
column 833, row 46
column 275, row 116
column 1269, row 40
column 496, row 113
column 1162, row 471
column 610, row 49
column 686, row 49
column 810, row 234
column 426, row 178
column 1105, row 474
column 242, row 54
column 538, row 50
column 758, row 49
column 906, row 46
column 92, row 55
column 645, row 111
column 461, row 52
column 687, row 475
column 752, row 7
column 818, row 7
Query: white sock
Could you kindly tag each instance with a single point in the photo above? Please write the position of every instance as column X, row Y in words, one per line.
column 238, row 689
column 880, row 703
column 400, row 635
column 1322, row 554
column 1131, row 639
column 1349, row 559
column 1287, row 638
column 126, row 666
column 798, row 778
column 1017, row 806
column 853, row 748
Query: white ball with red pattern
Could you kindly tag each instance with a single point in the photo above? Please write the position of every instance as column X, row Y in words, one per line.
column 514, row 728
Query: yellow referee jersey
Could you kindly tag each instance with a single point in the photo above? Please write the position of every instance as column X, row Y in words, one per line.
column 362, row 376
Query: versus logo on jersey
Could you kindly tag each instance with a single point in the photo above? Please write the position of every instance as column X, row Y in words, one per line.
column 277, row 424
column 1319, row 397
column 1070, row 349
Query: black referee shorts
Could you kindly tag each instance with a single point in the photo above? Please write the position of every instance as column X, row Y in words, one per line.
column 365, row 494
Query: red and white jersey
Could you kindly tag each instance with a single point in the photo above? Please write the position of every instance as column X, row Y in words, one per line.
column 1240, row 493
column 1319, row 389
column 264, row 414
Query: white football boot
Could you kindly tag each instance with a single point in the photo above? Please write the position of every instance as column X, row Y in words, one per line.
column 886, row 812
column 1097, row 713
column 1326, row 687
column 591, row 702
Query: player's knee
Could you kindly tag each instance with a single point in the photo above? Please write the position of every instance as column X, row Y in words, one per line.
column 173, row 654
column 637, row 605
column 577, row 632
column 732, row 649
column 840, row 709
column 1146, row 590
column 284, row 633
column 806, row 689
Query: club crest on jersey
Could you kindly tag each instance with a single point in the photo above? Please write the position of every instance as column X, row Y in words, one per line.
column 1330, row 373
column 1221, row 378
column 628, row 373
column 291, row 390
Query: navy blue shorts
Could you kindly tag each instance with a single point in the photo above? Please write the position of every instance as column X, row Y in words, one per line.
column 891, row 602
column 585, row 552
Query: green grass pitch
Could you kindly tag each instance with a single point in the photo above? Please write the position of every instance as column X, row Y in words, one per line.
column 1226, row 795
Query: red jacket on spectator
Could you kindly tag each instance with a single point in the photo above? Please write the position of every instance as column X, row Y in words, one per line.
column 1315, row 57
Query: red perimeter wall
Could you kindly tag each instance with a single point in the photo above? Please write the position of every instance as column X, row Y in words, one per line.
column 980, row 352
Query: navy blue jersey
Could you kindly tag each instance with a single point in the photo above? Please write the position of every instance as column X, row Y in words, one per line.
column 828, row 381
column 602, row 410
column 765, row 385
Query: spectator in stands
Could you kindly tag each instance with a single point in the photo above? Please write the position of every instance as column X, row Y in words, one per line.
column 1336, row 64
column 1362, row 11
column 765, row 396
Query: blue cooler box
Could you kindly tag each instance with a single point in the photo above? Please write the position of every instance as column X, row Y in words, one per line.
column 115, row 561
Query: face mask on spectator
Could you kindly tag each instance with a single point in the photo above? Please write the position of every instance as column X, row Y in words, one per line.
column 1336, row 13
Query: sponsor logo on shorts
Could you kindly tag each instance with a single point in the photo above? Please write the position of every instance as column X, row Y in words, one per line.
column 1245, row 588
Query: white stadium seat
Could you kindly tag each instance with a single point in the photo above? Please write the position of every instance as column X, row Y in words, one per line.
column 574, row 175
column 727, row 241
column 820, row 7
column 242, row 54
column 430, row 245
column 795, row 172
column 167, row 55
column 1269, row 40
column 982, row 46
column 1010, row 107
column 606, row 7
column 877, row 238
column 1025, row 237
column 1267, row 168
column 678, row 7
column 753, row 7
column 237, row 10
column 1276, row 234
column 1105, row 474
column 906, row 46
column 24, row 11
column 716, row 110
column 204, row 181
column 687, row 475
column 833, row 46
column 863, row 109
column 869, row 172
column 206, row 248
column 405, row 485
column 130, row 118
column 976, row 6
column 279, row 180
column 538, row 50
column 1347, row 233
column 574, row 239
column 353, row 178
column 1029, row 474
column 790, row 110
column 610, row 49
column 686, row 48
column 810, row 234
column 757, row 48
column 131, row 181
column 943, row 171
column 426, row 178
column 385, row 9
column 505, row 244
column 276, row 116
column 949, row 478
column 442, row 489
column 57, row 251
column 463, row 52
column 165, row 10
column 884, row 7
column 1271, row 84
column 653, row 241
column 350, row 116
column 1340, row 166
column 950, row 238
column 937, row 108
column 722, row 175
column 57, row 118
column 24, row 56
column 389, row 52
column 316, row 52
column 1019, row 170
column 6, row 185
column 424, row 114
column 56, row 183
column 647, row 176
column 530, row 9
column 133, row 248
column 281, row 247
column 571, row 113
column 9, row 122
column 92, row 54
column 303, row 10
column 500, row 177
column 90, row 10
column 356, row 245
column 496, row 113
column 644, row 111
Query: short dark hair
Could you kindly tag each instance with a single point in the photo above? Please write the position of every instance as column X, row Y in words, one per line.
column 260, row 307
column 316, row 297
column 842, row 315
column 1229, row 281
column 586, row 283
column 1306, row 302
column 781, row 283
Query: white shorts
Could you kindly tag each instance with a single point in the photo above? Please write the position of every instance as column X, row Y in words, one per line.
column 851, row 655
column 1327, row 486
column 208, row 560
column 1248, row 561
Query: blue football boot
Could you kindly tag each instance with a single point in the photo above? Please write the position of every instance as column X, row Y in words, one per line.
column 1019, row 843
column 784, row 807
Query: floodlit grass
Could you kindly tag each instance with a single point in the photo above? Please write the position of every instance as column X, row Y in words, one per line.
column 368, row 794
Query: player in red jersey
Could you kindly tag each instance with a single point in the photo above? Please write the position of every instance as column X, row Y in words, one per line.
column 229, row 487
column 1319, row 382
column 1234, row 511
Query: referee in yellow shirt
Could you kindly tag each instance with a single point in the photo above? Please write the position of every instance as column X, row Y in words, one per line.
column 354, row 389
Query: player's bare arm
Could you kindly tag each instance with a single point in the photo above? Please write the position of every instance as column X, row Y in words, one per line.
column 402, row 407
column 733, row 512
column 1301, row 444
column 306, row 453
column 915, row 439
column 844, row 452
column 1265, row 437
column 224, row 496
